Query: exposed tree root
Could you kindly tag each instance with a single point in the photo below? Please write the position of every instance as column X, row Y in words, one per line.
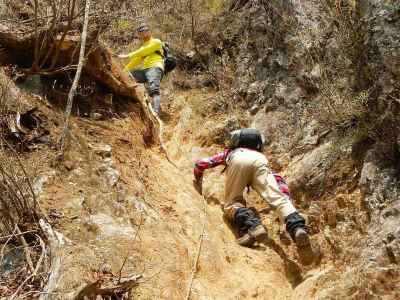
column 56, row 243
column 99, row 64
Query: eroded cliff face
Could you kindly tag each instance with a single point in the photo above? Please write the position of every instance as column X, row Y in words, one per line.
column 321, row 79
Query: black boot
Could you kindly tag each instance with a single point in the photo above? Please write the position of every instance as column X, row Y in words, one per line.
column 249, row 227
column 297, row 229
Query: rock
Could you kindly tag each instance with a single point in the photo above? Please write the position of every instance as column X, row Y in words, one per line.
column 13, row 258
column 190, row 54
column 103, row 150
column 306, row 290
column 77, row 203
column 253, row 110
column 378, row 183
column 218, row 133
column 40, row 181
column 142, row 207
column 69, row 164
column 108, row 226
column 308, row 173
column 109, row 173
column 255, row 93
column 316, row 72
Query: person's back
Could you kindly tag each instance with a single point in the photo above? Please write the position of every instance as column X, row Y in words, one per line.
column 245, row 154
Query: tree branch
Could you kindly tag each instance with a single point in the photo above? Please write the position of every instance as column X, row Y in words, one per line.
column 77, row 76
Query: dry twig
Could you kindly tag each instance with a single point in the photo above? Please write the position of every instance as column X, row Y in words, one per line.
column 35, row 271
column 26, row 249
column 5, row 245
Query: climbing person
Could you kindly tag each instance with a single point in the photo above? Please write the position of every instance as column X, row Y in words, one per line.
column 150, row 60
column 247, row 166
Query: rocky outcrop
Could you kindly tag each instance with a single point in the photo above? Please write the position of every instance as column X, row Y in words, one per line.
column 321, row 78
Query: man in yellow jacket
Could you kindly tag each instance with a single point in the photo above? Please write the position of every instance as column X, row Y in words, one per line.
column 146, row 64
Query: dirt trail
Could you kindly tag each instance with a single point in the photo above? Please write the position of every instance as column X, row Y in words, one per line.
column 226, row 270
column 128, row 210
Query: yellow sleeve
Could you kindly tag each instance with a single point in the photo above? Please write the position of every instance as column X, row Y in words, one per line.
column 134, row 62
column 137, row 56
column 153, row 46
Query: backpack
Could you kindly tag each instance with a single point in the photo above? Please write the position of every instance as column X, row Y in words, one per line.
column 169, row 60
column 248, row 138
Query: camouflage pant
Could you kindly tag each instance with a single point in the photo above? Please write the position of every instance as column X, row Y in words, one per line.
column 152, row 77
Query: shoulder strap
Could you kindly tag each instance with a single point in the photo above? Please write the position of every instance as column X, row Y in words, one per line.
column 159, row 53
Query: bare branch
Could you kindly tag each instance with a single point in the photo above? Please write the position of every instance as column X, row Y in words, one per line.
column 77, row 76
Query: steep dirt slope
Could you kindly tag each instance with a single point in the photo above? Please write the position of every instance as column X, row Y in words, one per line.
column 124, row 206
column 125, row 210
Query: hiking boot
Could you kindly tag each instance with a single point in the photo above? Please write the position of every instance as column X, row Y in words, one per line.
column 258, row 233
column 301, row 237
column 246, row 240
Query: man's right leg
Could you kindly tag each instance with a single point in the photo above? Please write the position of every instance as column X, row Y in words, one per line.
column 139, row 75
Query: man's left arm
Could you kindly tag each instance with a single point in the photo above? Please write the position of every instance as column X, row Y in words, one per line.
column 153, row 46
column 137, row 56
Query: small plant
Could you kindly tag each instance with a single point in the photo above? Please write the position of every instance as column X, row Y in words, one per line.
column 341, row 109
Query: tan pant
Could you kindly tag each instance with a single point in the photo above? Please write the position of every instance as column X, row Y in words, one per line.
column 249, row 168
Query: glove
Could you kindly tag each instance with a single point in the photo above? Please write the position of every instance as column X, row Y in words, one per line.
column 198, row 184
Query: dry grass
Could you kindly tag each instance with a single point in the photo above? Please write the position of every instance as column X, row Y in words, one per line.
column 341, row 109
column 20, row 234
column 343, row 103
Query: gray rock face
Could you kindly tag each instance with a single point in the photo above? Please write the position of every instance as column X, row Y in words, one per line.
column 385, row 20
column 308, row 172
column 381, row 193
column 287, row 64
column 110, row 173
column 379, row 184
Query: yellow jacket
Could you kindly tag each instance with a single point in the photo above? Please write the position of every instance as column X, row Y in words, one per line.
column 146, row 56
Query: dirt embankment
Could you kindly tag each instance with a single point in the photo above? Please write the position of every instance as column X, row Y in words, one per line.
column 125, row 209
